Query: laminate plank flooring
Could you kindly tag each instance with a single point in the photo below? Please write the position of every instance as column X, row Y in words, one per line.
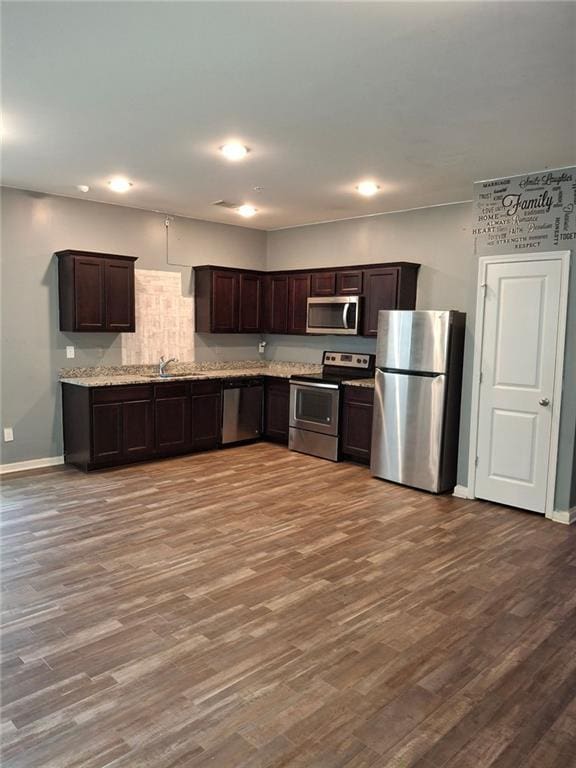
column 256, row 608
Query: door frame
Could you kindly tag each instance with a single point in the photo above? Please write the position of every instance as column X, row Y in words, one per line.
column 564, row 258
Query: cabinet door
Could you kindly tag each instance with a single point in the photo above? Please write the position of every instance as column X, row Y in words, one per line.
column 349, row 282
column 250, row 303
column 357, row 423
column 299, row 290
column 224, row 302
column 206, row 417
column 89, row 292
column 106, row 432
column 381, row 291
column 323, row 284
column 277, row 410
column 119, row 296
column 172, row 424
column 277, row 304
column 137, row 429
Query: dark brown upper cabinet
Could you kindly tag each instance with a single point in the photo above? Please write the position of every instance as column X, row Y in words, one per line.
column 250, row 303
column 387, row 288
column 277, row 303
column 349, row 282
column 298, row 292
column 323, row 284
column 228, row 300
column 232, row 301
column 96, row 292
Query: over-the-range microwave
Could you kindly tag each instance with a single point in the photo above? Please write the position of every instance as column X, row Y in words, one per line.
column 333, row 315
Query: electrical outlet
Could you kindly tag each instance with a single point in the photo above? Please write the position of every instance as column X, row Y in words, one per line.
column 70, row 352
column 8, row 434
column 262, row 347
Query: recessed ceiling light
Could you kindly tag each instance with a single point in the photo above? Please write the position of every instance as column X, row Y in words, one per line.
column 247, row 211
column 119, row 184
column 83, row 188
column 368, row 188
column 234, row 150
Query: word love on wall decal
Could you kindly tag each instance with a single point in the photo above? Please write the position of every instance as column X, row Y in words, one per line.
column 532, row 212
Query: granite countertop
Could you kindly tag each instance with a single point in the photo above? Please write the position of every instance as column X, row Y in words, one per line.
column 366, row 383
column 147, row 374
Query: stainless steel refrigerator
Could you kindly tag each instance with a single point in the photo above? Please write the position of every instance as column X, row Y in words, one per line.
column 417, row 398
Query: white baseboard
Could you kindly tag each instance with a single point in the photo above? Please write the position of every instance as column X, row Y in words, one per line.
column 462, row 492
column 565, row 516
column 22, row 466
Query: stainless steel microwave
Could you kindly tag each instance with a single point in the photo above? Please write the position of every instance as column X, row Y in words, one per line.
column 333, row 314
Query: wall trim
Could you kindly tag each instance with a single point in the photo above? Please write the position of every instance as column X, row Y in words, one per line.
column 23, row 466
column 461, row 492
column 565, row 516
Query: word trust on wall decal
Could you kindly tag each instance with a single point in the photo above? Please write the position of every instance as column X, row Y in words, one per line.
column 532, row 212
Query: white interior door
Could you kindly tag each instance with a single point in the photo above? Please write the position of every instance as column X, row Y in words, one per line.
column 521, row 322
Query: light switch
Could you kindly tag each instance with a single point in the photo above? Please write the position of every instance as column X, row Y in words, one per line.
column 70, row 352
column 8, row 434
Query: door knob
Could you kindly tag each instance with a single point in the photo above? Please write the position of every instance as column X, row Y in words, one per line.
column 544, row 401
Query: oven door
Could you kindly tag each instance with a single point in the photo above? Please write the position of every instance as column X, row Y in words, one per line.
column 335, row 315
column 315, row 407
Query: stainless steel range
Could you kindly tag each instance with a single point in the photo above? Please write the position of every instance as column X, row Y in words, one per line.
column 315, row 403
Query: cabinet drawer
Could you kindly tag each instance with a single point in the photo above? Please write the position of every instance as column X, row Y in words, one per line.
column 210, row 387
column 122, row 394
column 174, row 389
column 358, row 395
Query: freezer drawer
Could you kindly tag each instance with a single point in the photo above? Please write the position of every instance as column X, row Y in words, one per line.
column 407, row 429
column 414, row 340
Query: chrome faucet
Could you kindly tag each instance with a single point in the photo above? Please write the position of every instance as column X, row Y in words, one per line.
column 163, row 363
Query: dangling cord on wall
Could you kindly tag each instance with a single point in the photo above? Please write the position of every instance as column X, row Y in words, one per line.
column 167, row 222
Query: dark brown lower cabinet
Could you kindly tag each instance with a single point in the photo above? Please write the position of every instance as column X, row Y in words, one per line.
column 172, row 418
column 107, row 426
column 120, row 424
column 357, row 423
column 206, row 414
column 121, row 431
column 107, row 432
column 277, row 410
column 137, row 429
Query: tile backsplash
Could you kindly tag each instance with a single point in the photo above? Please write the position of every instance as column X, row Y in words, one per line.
column 164, row 320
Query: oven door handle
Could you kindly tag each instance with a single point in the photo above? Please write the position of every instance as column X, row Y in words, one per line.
column 320, row 385
column 345, row 316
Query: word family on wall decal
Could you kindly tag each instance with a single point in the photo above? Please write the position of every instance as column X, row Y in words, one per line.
column 533, row 212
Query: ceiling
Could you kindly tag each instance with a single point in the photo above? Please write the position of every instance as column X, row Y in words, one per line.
column 422, row 97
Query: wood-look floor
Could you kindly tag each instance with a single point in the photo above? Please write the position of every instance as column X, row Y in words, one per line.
column 255, row 608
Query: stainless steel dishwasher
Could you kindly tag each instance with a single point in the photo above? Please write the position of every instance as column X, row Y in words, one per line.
column 242, row 410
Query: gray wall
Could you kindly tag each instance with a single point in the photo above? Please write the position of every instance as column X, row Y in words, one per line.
column 440, row 240
column 33, row 350
column 437, row 238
